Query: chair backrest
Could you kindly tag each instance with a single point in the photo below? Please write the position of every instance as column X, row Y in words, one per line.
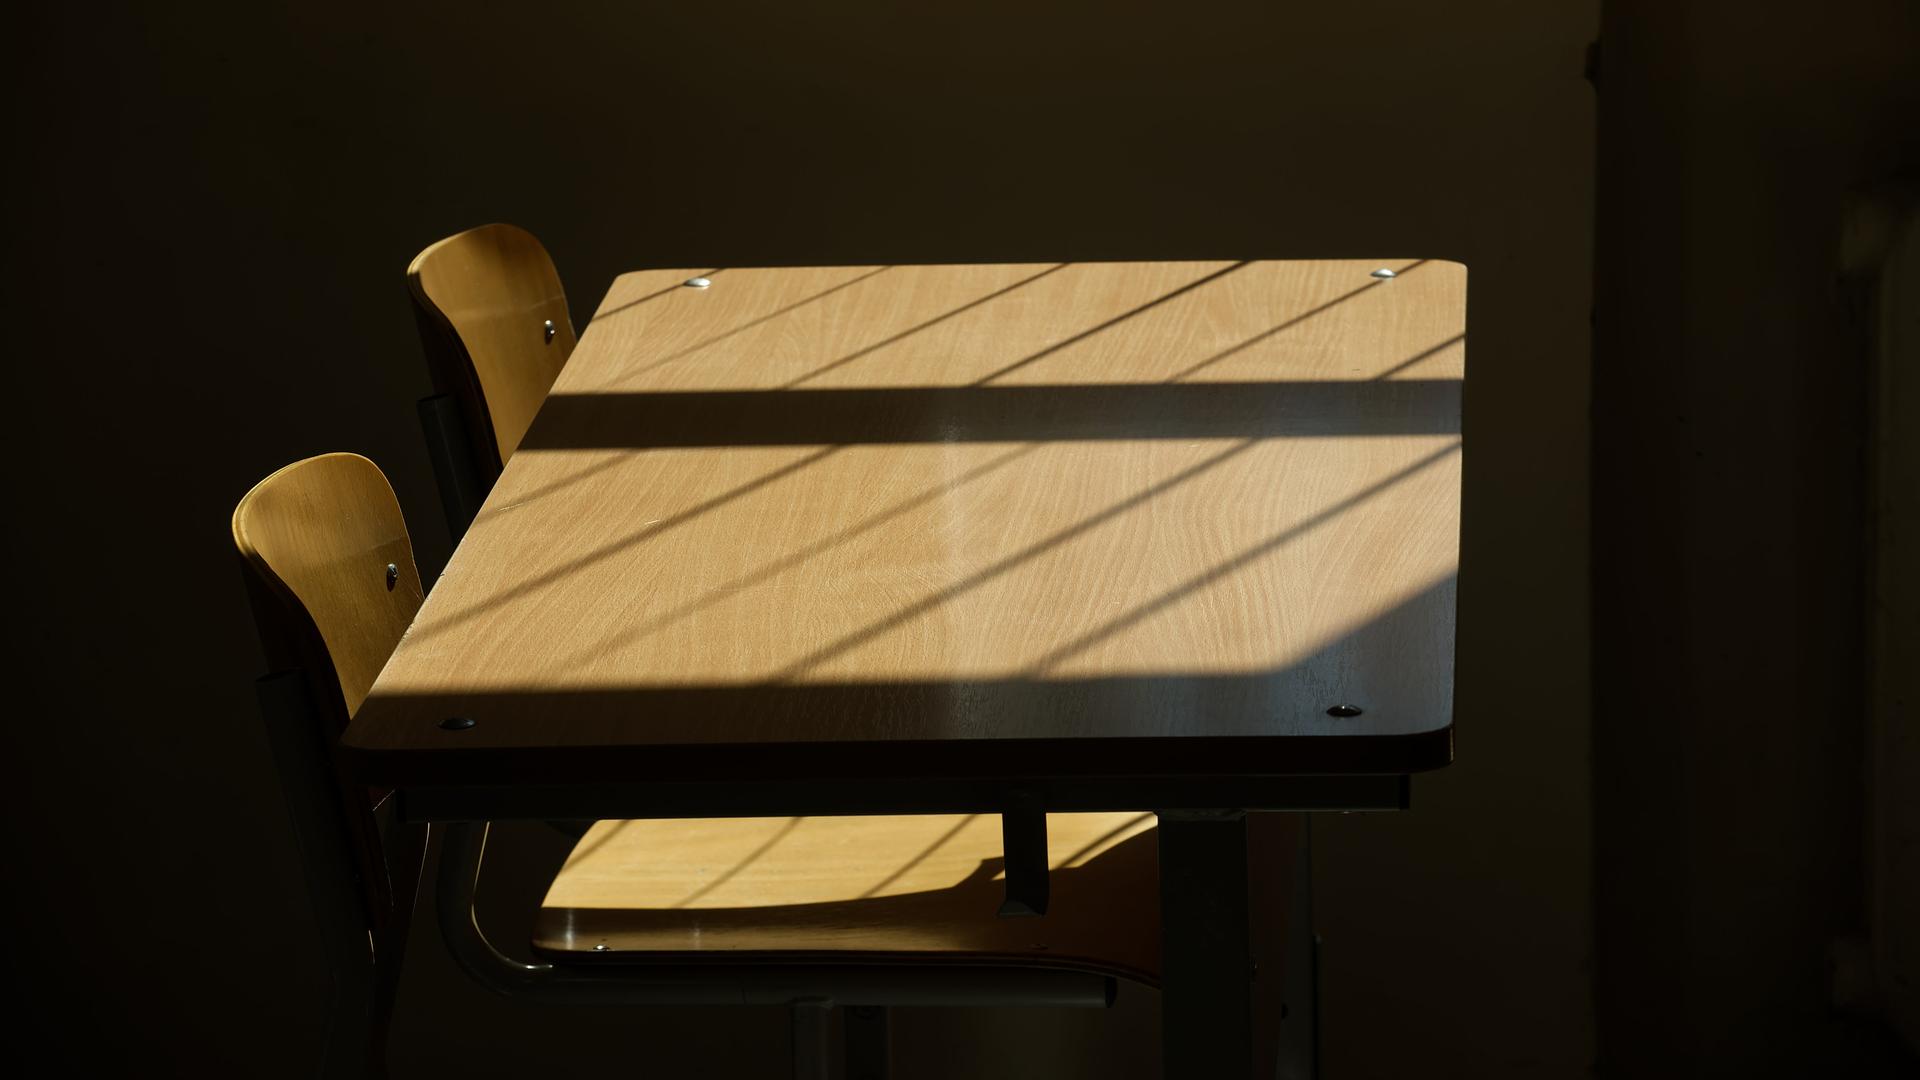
column 493, row 321
column 331, row 573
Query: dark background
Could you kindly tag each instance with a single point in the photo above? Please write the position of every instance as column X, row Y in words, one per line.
column 1652, row 837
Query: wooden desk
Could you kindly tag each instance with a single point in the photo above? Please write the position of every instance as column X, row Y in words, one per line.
column 954, row 538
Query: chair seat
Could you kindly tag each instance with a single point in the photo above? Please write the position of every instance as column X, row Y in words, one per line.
column 920, row 889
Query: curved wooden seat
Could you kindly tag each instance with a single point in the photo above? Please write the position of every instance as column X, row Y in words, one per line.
column 493, row 321
column 921, row 889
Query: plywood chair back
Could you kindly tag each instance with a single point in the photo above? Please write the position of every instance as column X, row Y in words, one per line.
column 331, row 571
column 493, row 321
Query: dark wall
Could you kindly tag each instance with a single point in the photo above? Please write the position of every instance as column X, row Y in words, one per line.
column 211, row 208
column 1730, row 421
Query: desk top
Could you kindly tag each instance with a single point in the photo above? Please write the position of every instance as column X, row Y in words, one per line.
column 1073, row 519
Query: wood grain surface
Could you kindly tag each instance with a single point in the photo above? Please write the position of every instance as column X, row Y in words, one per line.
column 925, row 885
column 325, row 540
column 494, row 324
column 885, row 889
column 950, row 507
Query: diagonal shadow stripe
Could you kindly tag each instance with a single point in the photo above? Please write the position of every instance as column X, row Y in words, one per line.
column 655, row 295
column 802, row 555
column 1419, row 357
column 922, row 857
column 1215, row 573
column 651, row 529
column 910, row 331
column 1289, row 324
column 1050, row 350
column 980, row 577
column 760, row 321
column 735, row 870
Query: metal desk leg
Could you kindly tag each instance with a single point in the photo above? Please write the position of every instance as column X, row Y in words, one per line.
column 812, row 1021
column 1299, row 1051
column 1207, row 957
column 356, row 1016
column 868, row 1053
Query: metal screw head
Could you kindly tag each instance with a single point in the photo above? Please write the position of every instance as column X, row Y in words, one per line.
column 697, row 283
column 393, row 576
column 548, row 330
column 1344, row 711
column 1383, row 273
column 457, row 723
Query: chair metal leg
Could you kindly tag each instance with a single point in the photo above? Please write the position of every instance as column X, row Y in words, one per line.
column 405, row 849
column 588, row 982
column 354, row 1021
column 868, row 1044
column 812, row 1022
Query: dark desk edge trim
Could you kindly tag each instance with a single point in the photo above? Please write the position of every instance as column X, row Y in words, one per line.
column 827, row 798
column 1222, row 758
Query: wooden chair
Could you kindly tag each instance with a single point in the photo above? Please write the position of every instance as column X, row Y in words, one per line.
column 810, row 912
column 494, row 325
column 330, row 574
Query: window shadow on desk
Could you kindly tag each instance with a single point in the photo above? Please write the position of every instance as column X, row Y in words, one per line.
column 827, row 422
column 680, row 354
column 942, row 414
column 1396, row 667
column 896, row 338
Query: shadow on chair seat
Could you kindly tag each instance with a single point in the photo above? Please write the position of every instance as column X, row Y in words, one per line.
column 918, row 890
